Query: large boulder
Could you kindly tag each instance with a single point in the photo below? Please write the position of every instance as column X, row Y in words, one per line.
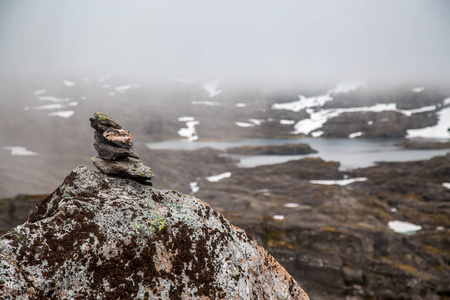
column 103, row 237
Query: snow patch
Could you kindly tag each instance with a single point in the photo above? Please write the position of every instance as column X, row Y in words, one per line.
column 40, row 92
column 318, row 118
column 256, row 121
column 218, row 177
column 339, row 182
column 241, row 105
column 186, row 119
column 355, row 134
column 123, row 88
column 53, row 99
column 68, row 83
column 439, row 131
column 348, row 86
column 189, row 132
column 62, row 114
column 212, row 88
column 317, row 133
column 205, row 103
column 418, row 110
column 446, row 101
column 49, row 106
column 278, row 217
column 194, row 187
column 418, row 89
column 446, row 185
column 19, row 151
column 243, row 124
column 291, row 205
column 287, row 122
column 403, row 227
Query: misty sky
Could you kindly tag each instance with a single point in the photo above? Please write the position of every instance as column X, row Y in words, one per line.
column 277, row 41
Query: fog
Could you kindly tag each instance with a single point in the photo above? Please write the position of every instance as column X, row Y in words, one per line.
column 236, row 41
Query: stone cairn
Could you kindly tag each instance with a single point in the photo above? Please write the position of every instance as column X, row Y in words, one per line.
column 116, row 156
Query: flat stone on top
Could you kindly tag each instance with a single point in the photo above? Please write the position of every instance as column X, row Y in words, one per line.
column 128, row 167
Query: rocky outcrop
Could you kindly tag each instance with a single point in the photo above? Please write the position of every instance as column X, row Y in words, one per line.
column 286, row 149
column 335, row 239
column 104, row 237
column 423, row 145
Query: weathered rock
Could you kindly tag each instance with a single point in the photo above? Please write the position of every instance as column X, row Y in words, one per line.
column 111, row 142
column 106, row 120
column 287, row 149
column 102, row 237
column 110, row 151
column 128, row 168
column 118, row 137
column 336, row 240
column 102, row 122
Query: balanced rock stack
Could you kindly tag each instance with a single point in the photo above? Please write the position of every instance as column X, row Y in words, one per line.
column 116, row 156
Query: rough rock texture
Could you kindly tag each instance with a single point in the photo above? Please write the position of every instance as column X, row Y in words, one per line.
column 128, row 168
column 116, row 156
column 111, row 141
column 101, row 237
column 287, row 149
column 334, row 239
column 108, row 150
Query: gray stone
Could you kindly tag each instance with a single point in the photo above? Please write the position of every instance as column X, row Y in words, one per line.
column 118, row 137
column 103, row 237
column 128, row 167
column 112, row 143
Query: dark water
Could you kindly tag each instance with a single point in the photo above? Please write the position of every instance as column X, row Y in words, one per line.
column 351, row 153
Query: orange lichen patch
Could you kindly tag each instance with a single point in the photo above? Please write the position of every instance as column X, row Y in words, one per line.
column 328, row 228
column 118, row 136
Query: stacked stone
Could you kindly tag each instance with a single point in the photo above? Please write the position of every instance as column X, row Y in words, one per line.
column 116, row 156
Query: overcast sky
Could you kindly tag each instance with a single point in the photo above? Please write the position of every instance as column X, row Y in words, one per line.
column 243, row 40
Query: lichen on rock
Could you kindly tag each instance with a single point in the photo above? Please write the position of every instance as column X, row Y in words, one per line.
column 104, row 237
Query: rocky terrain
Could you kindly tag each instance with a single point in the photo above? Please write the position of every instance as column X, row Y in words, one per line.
column 286, row 149
column 47, row 118
column 329, row 228
column 103, row 237
column 424, row 145
column 334, row 236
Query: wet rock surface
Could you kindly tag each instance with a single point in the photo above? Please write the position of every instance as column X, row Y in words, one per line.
column 103, row 237
column 286, row 149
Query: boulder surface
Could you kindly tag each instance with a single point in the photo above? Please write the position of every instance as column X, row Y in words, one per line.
column 103, row 237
